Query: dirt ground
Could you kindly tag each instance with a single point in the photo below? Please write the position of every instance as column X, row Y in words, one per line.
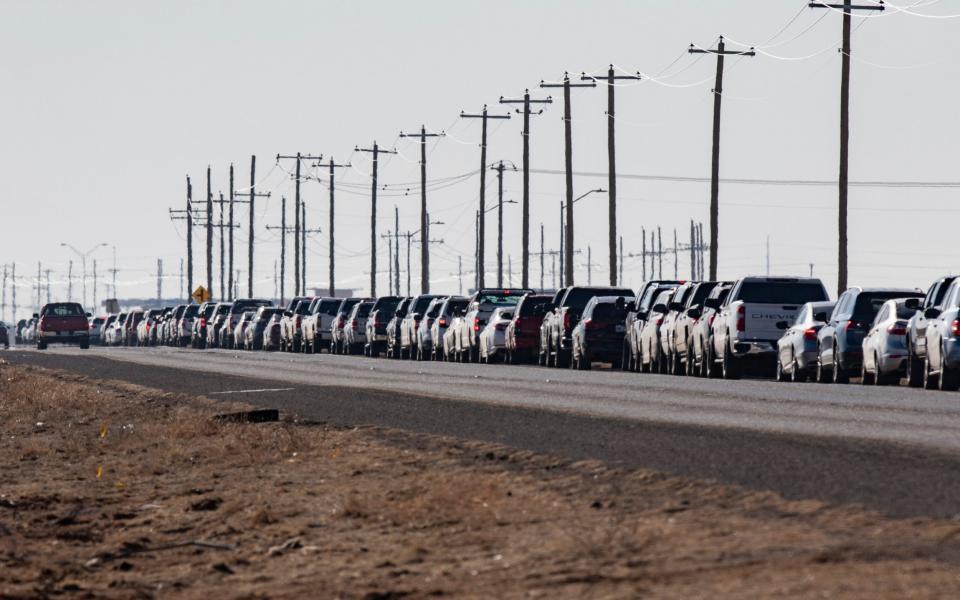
column 111, row 490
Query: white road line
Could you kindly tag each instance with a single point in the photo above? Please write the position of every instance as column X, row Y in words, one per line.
column 252, row 391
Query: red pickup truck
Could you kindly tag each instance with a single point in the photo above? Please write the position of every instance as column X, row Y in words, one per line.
column 62, row 323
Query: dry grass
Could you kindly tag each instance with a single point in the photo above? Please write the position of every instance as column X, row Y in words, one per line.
column 188, row 505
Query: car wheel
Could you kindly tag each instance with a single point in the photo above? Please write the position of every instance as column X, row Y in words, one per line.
column 729, row 367
column 821, row 374
column 780, row 375
column 930, row 381
column 839, row 374
column 914, row 369
column 796, row 373
column 866, row 377
column 949, row 381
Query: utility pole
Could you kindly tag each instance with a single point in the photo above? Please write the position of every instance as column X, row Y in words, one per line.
column 643, row 255
column 13, row 290
column 230, row 264
column 481, row 229
column 409, row 236
column 283, row 244
column 396, row 250
column 476, row 253
column 3, row 299
column 589, row 265
column 159, row 280
column 46, row 274
column 721, row 52
column 659, row 252
column 190, row 217
column 333, row 166
column 40, row 286
column 375, row 151
column 424, row 218
column 676, row 256
column 459, row 273
column 297, row 211
column 542, row 249
column 499, row 170
column 562, row 246
column 70, row 281
column 611, row 80
column 509, row 271
column 253, row 195
column 568, row 163
column 389, row 239
column 209, row 234
column 693, row 251
column 94, row 284
column 526, row 101
column 847, row 7
column 223, row 289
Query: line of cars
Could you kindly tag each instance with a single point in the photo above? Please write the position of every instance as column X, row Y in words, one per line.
column 781, row 327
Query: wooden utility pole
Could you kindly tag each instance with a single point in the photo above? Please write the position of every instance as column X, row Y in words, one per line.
column 542, row 252
column 298, row 280
column 333, row 166
column 568, row 163
column 721, row 52
column 375, row 151
column 499, row 169
column 526, row 101
column 223, row 289
column 396, row 250
column 424, row 217
column 283, row 245
column 189, row 217
column 409, row 236
column 253, row 196
column 611, row 80
column 209, row 234
column 847, row 7
column 481, row 230
column 159, row 280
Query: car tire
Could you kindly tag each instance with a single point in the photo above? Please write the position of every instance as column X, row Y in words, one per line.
column 780, row 376
column 821, row 375
column 840, row 376
column 867, row 377
column 729, row 368
column 930, row 381
column 797, row 375
column 914, row 369
column 949, row 379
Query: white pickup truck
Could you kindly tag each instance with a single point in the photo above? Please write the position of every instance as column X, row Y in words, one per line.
column 745, row 329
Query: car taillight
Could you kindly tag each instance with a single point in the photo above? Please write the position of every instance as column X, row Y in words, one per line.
column 203, row 322
column 741, row 318
column 591, row 324
column 810, row 334
column 353, row 323
column 376, row 321
column 566, row 321
column 900, row 328
column 442, row 322
column 476, row 324
column 340, row 322
column 298, row 320
column 710, row 320
column 956, row 327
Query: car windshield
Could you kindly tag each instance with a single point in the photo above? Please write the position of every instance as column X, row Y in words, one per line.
column 609, row 312
column 67, row 309
column 577, row 298
column 533, row 306
column 869, row 303
column 782, row 292
column 329, row 307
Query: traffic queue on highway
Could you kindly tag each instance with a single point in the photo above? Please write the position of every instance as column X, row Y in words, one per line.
column 781, row 327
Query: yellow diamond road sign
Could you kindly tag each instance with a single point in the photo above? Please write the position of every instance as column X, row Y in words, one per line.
column 200, row 295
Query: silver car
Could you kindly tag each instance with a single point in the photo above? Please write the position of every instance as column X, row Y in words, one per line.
column 448, row 312
column 797, row 347
column 355, row 327
column 425, row 337
column 651, row 356
column 942, row 364
column 885, row 346
column 493, row 338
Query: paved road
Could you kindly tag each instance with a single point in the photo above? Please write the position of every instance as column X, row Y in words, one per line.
column 894, row 449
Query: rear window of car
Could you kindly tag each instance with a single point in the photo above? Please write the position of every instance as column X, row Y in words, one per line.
column 609, row 312
column 329, row 307
column 782, row 292
column 179, row 312
column 905, row 313
column 703, row 290
column 421, row 305
column 346, row 305
column 454, row 306
column 98, row 321
column 387, row 306
column 578, row 297
column 533, row 306
column 192, row 311
column 499, row 299
column 223, row 309
column 241, row 306
column 364, row 310
column 266, row 315
column 303, row 307
column 869, row 303
column 67, row 309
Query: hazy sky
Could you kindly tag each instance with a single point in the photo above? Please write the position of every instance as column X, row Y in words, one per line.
column 108, row 105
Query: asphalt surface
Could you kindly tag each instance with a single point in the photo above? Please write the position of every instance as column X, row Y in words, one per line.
column 892, row 449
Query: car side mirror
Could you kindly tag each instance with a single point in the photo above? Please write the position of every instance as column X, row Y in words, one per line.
column 660, row 308
column 36, row 316
column 782, row 325
column 631, row 307
column 912, row 303
column 89, row 315
column 694, row 313
column 820, row 316
column 713, row 303
column 288, row 313
column 642, row 315
column 931, row 313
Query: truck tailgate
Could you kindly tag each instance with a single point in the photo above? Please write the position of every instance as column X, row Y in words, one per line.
column 761, row 320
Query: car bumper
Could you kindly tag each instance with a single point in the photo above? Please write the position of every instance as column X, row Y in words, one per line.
column 952, row 353
column 893, row 362
column 758, row 348
column 807, row 359
column 64, row 337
